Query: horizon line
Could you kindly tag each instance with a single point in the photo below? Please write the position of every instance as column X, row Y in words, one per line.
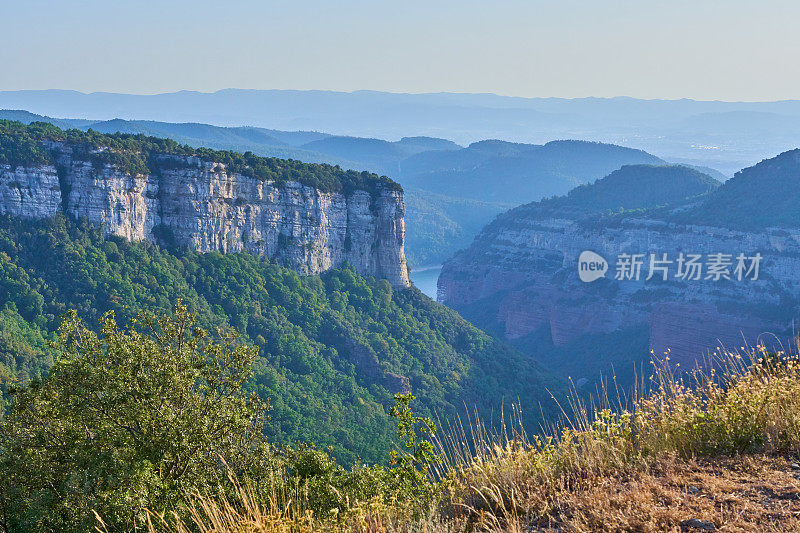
column 404, row 93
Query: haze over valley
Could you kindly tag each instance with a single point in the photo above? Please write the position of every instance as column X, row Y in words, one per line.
column 726, row 136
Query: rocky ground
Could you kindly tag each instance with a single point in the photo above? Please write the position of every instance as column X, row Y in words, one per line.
column 749, row 493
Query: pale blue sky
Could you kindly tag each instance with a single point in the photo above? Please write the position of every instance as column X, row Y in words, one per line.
column 705, row 49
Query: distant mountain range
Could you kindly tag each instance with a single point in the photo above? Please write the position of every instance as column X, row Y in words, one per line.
column 723, row 135
column 452, row 191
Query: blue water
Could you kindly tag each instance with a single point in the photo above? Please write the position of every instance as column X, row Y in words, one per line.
column 425, row 278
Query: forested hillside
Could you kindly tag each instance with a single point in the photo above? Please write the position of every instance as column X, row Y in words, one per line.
column 436, row 225
column 332, row 349
column 639, row 187
column 764, row 195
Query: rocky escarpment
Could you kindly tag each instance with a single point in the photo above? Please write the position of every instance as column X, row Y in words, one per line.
column 520, row 278
column 527, row 275
column 204, row 205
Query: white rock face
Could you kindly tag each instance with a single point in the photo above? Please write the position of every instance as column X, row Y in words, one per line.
column 202, row 206
column 29, row 192
column 309, row 230
column 526, row 272
column 125, row 205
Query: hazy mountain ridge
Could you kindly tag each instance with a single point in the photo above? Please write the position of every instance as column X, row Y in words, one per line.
column 512, row 173
column 376, row 154
column 723, row 135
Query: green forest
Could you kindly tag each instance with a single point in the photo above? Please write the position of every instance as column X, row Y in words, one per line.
column 332, row 349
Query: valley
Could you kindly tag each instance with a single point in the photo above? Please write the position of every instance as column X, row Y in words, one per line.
column 426, row 279
column 304, row 261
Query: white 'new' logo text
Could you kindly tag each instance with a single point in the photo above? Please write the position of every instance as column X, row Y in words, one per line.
column 591, row 266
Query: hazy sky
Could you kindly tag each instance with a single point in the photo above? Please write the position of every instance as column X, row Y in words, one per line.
column 705, row 49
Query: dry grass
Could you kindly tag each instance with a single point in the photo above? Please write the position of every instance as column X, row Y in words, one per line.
column 282, row 512
column 747, row 493
column 716, row 446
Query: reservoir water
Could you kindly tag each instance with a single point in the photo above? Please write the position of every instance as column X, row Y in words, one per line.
column 425, row 278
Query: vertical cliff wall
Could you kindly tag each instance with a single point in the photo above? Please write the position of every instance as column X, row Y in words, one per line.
column 204, row 206
column 521, row 276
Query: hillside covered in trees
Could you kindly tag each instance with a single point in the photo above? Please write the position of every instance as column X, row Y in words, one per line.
column 331, row 350
column 764, row 195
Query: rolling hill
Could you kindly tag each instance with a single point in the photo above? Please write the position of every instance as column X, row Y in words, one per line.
column 761, row 196
column 514, row 173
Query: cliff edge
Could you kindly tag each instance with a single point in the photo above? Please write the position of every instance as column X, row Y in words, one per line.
column 309, row 217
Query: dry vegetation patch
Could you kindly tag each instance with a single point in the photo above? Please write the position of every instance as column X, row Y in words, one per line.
column 701, row 451
column 746, row 493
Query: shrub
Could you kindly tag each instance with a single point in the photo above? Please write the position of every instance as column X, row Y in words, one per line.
column 127, row 420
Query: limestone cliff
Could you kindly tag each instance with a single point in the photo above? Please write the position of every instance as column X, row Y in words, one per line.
column 520, row 277
column 203, row 205
column 528, row 276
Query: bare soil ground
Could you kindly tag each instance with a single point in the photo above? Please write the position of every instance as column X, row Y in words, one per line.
column 748, row 493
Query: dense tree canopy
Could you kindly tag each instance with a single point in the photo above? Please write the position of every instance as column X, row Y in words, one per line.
column 332, row 349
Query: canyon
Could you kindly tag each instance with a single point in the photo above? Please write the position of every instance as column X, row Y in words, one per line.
column 530, row 276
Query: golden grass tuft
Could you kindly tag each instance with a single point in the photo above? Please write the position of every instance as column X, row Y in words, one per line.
column 715, row 443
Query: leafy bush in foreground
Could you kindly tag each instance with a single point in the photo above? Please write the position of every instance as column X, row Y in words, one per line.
column 127, row 420
column 137, row 421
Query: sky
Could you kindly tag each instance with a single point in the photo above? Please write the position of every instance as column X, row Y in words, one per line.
column 702, row 49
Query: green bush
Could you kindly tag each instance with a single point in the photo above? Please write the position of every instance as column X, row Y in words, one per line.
column 128, row 420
